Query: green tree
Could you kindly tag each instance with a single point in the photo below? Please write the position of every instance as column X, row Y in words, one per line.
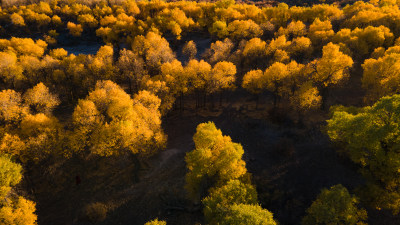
column 370, row 137
column 219, row 199
column 10, row 174
column 238, row 214
column 214, row 161
column 14, row 210
column 335, row 206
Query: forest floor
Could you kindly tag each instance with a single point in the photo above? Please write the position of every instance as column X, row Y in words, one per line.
column 290, row 162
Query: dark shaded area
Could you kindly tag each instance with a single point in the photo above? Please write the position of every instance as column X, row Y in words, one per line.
column 290, row 164
column 79, row 45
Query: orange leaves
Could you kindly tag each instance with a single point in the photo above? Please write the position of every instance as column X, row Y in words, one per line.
column 18, row 20
column 86, row 114
column 74, row 29
column 21, row 212
column 40, row 100
column 253, row 81
column 11, row 108
column 30, row 131
column 154, row 49
column 381, row 75
column 114, row 123
column 332, row 67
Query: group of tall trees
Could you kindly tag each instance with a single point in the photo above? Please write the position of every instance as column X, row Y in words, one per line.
column 299, row 34
column 218, row 177
column 297, row 55
column 306, row 86
column 107, row 122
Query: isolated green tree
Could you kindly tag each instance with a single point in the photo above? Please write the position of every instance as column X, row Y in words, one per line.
column 370, row 137
column 214, row 161
column 336, row 207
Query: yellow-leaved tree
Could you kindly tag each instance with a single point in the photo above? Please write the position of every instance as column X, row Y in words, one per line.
column 109, row 122
column 154, row 49
column 30, row 131
column 329, row 70
column 381, row 75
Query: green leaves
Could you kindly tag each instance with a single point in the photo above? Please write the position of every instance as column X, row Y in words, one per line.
column 335, row 207
column 10, row 175
column 371, row 138
column 216, row 163
column 215, row 157
column 14, row 210
column 239, row 214
column 220, row 199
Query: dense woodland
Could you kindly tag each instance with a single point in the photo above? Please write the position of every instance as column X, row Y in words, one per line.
column 199, row 113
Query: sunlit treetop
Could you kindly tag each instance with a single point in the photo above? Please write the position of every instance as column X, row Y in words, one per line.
column 12, row 109
column 111, row 122
column 247, row 214
column 234, row 192
column 40, row 100
column 215, row 157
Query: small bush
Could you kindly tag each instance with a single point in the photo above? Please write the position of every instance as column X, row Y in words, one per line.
column 96, row 212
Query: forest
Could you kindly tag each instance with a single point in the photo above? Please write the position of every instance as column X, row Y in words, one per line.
column 199, row 112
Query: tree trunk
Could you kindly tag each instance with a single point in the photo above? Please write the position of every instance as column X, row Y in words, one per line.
column 324, row 95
